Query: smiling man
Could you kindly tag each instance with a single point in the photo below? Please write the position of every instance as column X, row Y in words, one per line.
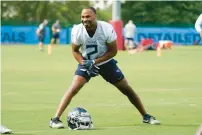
column 98, row 45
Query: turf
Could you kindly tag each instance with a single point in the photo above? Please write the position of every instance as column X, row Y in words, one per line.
column 169, row 86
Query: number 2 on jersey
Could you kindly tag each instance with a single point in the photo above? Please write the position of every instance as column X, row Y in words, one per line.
column 94, row 51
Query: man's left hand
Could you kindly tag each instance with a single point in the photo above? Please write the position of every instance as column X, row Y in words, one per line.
column 93, row 71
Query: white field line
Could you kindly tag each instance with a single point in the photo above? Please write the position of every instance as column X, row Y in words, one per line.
column 66, row 128
column 41, row 131
column 167, row 88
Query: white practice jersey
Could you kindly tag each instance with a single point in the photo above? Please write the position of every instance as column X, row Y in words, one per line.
column 96, row 46
column 130, row 30
column 198, row 24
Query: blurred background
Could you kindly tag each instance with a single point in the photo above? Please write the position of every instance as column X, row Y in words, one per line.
column 161, row 20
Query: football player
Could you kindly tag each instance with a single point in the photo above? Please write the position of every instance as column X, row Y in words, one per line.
column 94, row 45
column 198, row 26
column 149, row 44
column 41, row 31
column 55, row 35
column 129, row 31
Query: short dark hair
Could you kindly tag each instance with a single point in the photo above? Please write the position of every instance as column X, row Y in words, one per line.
column 93, row 9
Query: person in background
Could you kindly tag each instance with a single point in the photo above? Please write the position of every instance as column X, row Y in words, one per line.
column 145, row 44
column 149, row 44
column 41, row 31
column 129, row 32
column 56, row 28
column 198, row 27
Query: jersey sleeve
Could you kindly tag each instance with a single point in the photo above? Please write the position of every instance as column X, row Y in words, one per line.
column 111, row 34
column 75, row 36
column 41, row 26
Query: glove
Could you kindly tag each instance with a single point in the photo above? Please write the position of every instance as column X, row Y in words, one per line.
column 88, row 63
column 93, row 71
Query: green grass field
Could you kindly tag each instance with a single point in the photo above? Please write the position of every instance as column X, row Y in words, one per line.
column 169, row 86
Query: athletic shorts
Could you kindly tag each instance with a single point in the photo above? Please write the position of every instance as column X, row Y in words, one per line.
column 109, row 71
column 130, row 39
column 41, row 38
column 56, row 35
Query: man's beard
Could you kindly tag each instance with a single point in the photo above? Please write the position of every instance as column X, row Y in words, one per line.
column 87, row 24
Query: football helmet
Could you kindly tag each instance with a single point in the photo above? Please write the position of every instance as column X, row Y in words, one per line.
column 79, row 119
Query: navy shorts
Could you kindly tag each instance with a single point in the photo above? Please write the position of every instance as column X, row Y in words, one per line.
column 109, row 71
column 41, row 38
column 56, row 35
column 130, row 39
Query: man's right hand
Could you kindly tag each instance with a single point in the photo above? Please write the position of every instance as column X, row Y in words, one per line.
column 91, row 69
column 88, row 63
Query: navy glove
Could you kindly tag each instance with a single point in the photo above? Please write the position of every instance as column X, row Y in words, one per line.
column 93, row 71
column 88, row 63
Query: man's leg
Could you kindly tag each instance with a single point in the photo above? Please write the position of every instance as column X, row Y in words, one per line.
column 50, row 46
column 112, row 74
column 135, row 100
column 131, row 44
column 77, row 83
column 132, row 96
column 57, row 41
column 126, row 44
column 41, row 39
column 40, row 46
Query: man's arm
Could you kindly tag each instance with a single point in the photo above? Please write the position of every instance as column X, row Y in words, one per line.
column 111, row 52
column 39, row 29
column 53, row 28
column 76, row 53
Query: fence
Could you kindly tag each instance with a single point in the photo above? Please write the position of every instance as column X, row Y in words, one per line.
column 27, row 34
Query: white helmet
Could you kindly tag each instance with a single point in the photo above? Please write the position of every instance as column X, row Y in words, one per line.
column 79, row 119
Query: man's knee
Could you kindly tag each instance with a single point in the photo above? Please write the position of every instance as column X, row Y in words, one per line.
column 124, row 87
column 77, row 83
column 52, row 40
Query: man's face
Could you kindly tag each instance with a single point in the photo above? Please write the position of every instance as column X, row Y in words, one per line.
column 88, row 18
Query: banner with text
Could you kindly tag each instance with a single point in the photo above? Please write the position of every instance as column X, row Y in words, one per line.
column 184, row 36
column 21, row 35
column 27, row 35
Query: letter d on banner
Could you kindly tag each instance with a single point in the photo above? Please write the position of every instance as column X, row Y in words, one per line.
column 118, row 27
